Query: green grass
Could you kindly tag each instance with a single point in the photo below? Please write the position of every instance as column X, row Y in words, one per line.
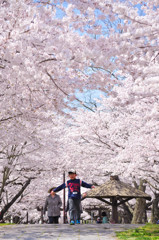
column 148, row 232
column 4, row 224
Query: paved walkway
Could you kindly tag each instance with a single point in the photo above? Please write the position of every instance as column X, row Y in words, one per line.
column 62, row 231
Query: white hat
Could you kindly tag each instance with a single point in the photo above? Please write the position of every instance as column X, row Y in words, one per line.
column 72, row 171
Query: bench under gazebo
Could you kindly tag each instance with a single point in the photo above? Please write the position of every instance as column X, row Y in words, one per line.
column 118, row 192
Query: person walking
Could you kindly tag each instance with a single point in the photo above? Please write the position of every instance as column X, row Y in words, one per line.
column 52, row 206
column 74, row 195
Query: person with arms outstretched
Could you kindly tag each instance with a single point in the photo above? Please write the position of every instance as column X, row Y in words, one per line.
column 74, row 195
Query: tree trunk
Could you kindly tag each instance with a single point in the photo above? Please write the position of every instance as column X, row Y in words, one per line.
column 155, row 209
column 7, row 206
column 127, row 216
column 140, row 207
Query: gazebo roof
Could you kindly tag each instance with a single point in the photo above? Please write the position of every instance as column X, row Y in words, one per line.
column 116, row 188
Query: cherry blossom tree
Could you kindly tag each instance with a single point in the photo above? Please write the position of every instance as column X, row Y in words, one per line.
column 45, row 58
column 119, row 138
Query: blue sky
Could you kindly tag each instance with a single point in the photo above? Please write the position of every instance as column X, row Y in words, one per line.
column 106, row 24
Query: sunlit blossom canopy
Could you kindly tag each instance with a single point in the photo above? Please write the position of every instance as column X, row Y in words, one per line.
column 116, row 188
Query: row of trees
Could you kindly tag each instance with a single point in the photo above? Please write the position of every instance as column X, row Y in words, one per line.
column 45, row 57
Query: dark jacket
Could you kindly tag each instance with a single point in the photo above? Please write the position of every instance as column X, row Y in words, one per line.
column 52, row 205
column 74, row 187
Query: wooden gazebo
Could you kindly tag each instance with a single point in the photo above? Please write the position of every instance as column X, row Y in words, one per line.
column 118, row 192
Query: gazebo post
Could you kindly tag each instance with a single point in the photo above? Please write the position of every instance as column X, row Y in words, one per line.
column 114, row 210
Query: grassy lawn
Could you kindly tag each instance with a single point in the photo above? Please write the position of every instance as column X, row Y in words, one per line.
column 148, row 232
column 4, row 224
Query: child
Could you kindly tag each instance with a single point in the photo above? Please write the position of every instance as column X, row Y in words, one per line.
column 105, row 218
column 74, row 195
column 99, row 220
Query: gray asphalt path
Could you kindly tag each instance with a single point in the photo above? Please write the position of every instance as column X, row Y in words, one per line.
column 63, row 231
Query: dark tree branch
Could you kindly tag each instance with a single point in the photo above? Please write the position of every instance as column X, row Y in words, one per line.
column 66, row 94
column 9, row 204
